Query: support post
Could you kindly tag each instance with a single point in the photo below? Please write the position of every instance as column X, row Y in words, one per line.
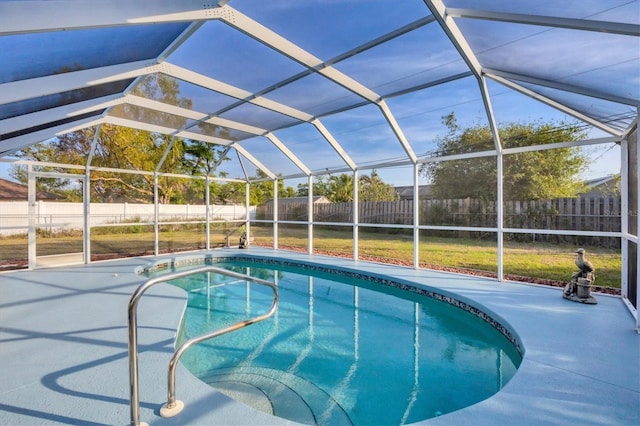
column 624, row 217
column 500, row 217
column 275, row 213
column 86, row 206
column 31, row 212
column 207, row 212
column 247, row 205
column 156, row 216
column 310, row 215
column 484, row 91
column 86, row 197
column 356, row 215
column 416, row 217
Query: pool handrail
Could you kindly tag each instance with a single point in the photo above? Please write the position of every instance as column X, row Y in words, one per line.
column 173, row 407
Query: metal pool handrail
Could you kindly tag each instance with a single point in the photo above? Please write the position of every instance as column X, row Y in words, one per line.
column 173, row 407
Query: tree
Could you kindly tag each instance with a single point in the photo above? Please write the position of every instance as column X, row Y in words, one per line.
column 320, row 187
column 44, row 152
column 372, row 188
column 533, row 175
column 132, row 149
column 117, row 148
column 339, row 189
column 200, row 159
column 230, row 193
column 260, row 190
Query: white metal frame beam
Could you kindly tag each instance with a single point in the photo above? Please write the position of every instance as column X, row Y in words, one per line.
column 52, row 115
column 334, row 144
column 229, row 90
column 194, row 115
column 66, row 15
column 9, row 146
column 397, row 130
column 383, row 39
column 492, row 73
column 547, row 21
column 191, row 114
column 66, row 111
column 275, row 41
column 554, row 104
column 81, row 168
column 180, row 40
column 433, row 83
column 416, row 216
column 53, row 84
column 470, row 155
column 240, row 150
column 118, row 121
column 357, row 50
column 452, row 31
column 558, row 145
column 287, row 152
column 486, row 100
column 165, row 154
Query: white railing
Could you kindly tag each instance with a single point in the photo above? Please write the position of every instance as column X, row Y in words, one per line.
column 173, row 406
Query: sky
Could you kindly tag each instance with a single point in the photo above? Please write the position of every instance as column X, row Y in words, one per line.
column 327, row 28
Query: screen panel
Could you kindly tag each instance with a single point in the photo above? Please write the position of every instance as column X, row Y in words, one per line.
column 33, row 55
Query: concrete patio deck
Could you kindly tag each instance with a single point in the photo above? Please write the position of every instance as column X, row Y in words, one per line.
column 63, row 350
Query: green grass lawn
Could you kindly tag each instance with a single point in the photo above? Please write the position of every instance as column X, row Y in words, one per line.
column 533, row 260
column 542, row 261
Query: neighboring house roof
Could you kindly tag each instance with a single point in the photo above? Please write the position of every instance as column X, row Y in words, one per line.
column 406, row 192
column 295, row 200
column 12, row 191
column 602, row 187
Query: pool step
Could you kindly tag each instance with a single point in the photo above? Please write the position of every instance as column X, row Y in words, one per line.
column 279, row 393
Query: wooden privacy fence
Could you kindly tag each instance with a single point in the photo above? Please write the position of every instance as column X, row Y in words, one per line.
column 578, row 214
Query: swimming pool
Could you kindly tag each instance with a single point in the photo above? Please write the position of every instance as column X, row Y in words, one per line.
column 342, row 349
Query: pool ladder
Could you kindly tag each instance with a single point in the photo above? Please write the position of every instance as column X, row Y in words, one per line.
column 173, row 406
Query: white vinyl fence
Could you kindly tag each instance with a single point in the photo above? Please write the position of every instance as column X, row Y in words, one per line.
column 54, row 216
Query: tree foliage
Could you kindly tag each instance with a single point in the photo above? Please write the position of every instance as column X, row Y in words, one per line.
column 320, row 187
column 134, row 150
column 260, row 191
column 339, row 188
column 534, row 175
column 128, row 149
column 373, row 188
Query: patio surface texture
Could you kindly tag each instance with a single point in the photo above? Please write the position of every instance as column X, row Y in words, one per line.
column 63, row 350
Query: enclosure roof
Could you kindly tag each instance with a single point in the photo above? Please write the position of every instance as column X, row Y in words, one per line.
column 298, row 87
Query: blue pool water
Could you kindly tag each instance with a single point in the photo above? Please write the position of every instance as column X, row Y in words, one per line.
column 341, row 350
